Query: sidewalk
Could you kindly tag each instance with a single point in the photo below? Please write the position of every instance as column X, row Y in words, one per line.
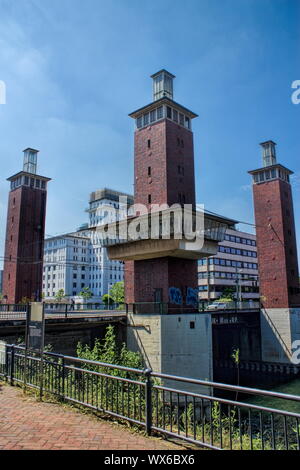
column 26, row 423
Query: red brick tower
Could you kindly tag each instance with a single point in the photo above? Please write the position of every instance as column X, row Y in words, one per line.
column 25, row 232
column 277, row 257
column 164, row 174
column 275, row 229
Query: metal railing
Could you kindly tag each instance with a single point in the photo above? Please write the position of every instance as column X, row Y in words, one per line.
column 165, row 308
column 188, row 411
column 60, row 310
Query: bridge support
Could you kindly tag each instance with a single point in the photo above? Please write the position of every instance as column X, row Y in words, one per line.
column 280, row 328
column 174, row 344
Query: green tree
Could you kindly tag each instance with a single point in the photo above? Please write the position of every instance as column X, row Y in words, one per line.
column 86, row 293
column 228, row 293
column 60, row 295
column 107, row 299
column 236, row 359
column 108, row 351
column 117, row 292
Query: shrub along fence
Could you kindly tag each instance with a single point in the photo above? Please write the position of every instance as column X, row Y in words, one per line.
column 175, row 406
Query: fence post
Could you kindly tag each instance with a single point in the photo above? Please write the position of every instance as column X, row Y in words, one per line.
column 6, row 363
column 148, row 401
column 41, row 373
column 63, row 378
column 12, row 364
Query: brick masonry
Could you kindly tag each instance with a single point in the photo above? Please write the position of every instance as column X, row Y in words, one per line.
column 24, row 242
column 276, row 244
column 26, row 424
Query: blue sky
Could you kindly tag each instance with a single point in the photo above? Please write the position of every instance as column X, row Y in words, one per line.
column 74, row 70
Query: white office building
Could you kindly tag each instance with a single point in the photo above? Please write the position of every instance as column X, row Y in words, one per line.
column 77, row 260
column 234, row 268
column 66, row 264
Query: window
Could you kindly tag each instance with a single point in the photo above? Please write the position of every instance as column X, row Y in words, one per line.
column 181, row 119
column 139, row 122
column 149, row 170
column 175, row 115
column 169, row 112
column 146, row 119
column 187, row 122
column 153, row 115
column 149, row 198
column 149, row 143
column 159, row 112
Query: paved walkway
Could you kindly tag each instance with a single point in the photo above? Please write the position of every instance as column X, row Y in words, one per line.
column 26, row 423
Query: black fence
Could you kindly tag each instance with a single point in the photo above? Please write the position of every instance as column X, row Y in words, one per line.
column 174, row 406
column 60, row 310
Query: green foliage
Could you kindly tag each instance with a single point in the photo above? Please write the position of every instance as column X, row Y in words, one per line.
column 108, row 351
column 107, row 299
column 117, row 292
column 236, row 356
column 228, row 293
column 25, row 300
column 86, row 293
column 60, row 295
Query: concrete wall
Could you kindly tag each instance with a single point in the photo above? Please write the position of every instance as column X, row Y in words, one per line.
column 279, row 328
column 169, row 345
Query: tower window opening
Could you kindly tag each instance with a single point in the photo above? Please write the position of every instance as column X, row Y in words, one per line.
column 149, row 198
column 149, row 170
column 187, row 122
column 149, row 143
column 153, row 115
column 169, row 112
column 159, row 112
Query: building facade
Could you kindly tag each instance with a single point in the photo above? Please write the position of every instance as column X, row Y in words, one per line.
column 77, row 260
column 234, row 269
column 25, row 231
column 66, row 265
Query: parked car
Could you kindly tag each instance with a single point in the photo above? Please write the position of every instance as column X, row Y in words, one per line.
column 217, row 306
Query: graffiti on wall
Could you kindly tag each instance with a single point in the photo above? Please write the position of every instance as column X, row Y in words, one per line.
column 175, row 296
column 192, row 296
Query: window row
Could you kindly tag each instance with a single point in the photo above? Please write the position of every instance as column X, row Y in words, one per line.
column 163, row 112
column 25, row 180
column 227, row 262
column 237, row 251
column 244, row 241
column 228, row 275
column 271, row 174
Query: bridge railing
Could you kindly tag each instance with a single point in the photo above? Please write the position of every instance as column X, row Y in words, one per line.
column 14, row 311
column 179, row 407
column 164, row 308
